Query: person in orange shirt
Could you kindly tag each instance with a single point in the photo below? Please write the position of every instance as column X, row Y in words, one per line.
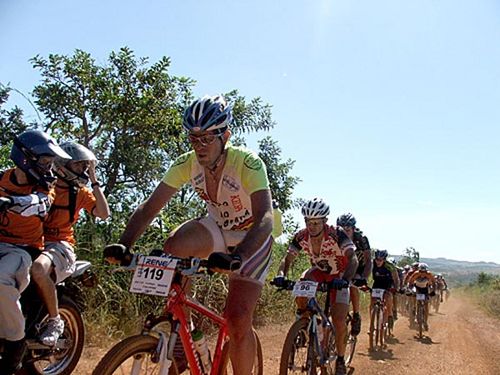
column 26, row 194
column 425, row 283
column 57, row 261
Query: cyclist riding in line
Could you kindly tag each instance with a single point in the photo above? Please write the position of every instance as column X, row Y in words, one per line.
column 385, row 276
column 237, row 231
column 332, row 255
column 395, row 296
column 57, row 261
column 424, row 282
column 441, row 286
column 26, row 194
column 364, row 255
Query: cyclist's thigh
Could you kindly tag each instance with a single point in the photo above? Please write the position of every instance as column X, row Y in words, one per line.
column 339, row 312
column 256, row 268
column 194, row 238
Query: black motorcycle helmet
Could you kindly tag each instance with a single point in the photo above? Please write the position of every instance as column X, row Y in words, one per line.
column 27, row 150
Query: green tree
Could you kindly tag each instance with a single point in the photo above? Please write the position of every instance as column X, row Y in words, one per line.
column 11, row 124
column 130, row 113
column 410, row 256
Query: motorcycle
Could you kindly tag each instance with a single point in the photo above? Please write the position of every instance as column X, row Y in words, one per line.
column 62, row 358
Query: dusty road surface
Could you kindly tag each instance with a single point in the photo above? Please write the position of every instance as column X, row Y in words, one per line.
column 461, row 340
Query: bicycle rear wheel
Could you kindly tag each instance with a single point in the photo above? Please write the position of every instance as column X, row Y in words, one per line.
column 295, row 353
column 134, row 355
column 258, row 362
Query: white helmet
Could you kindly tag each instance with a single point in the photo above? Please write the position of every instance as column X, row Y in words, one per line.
column 423, row 266
column 315, row 209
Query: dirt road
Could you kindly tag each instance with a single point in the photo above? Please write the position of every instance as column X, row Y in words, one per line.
column 461, row 340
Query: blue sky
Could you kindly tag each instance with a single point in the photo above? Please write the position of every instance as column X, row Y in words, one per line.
column 391, row 109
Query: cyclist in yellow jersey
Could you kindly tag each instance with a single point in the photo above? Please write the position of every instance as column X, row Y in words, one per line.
column 233, row 182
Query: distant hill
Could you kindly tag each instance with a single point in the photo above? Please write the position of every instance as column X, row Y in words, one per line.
column 458, row 272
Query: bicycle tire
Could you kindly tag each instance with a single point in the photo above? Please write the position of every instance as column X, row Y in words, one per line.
column 381, row 326
column 372, row 333
column 258, row 368
column 66, row 359
column 131, row 348
column 296, row 350
column 420, row 319
column 350, row 348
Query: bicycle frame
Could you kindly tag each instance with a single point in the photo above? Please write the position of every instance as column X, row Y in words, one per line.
column 175, row 303
column 316, row 311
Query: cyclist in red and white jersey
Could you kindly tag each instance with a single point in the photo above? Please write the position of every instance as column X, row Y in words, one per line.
column 333, row 259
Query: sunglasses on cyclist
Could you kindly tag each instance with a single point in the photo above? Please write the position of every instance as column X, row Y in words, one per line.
column 203, row 140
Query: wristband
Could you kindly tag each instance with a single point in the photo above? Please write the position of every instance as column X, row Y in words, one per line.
column 94, row 184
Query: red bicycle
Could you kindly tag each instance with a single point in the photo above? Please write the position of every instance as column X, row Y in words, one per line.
column 157, row 350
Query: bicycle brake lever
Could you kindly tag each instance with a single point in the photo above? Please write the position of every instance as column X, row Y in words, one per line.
column 131, row 267
column 195, row 265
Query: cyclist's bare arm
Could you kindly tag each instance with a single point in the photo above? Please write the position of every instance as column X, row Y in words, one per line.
column 286, row 264
column 352, row 264
column 145, row 213
column 395, row 278
column 262, row 224
column 368, row 264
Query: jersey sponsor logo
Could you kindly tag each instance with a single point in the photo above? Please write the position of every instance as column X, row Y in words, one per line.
column 252, row 162
column 199, row 178
column 228, row 223
column 236, row 201
column 230, row 183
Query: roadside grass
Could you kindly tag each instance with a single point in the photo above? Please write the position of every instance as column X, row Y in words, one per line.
column 486, row 291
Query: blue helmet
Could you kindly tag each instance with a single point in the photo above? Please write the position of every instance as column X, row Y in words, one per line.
column 210, row 113
column 381, row 254
column 346, row 220
column 26, row 151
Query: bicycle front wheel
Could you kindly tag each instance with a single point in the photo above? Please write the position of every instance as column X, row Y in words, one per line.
column 258, row 362
column 350, row 348
column 294, row 356
column 134, row 355
column 420, row 319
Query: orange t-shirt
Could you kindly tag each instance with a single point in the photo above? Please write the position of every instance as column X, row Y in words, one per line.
column 15, row 228
column 422, row 276
column 59, row 224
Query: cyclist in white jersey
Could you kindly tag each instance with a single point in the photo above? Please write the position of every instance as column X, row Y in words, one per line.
column 233, row 182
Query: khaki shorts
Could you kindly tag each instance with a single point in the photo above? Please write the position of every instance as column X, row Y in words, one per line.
column 15, row 265
column 253, row 269
column 63, row 258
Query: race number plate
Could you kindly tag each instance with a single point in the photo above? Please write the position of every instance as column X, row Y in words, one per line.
column 305, row 288
column 378, row 293
column 420, row 297
column 153, row 275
